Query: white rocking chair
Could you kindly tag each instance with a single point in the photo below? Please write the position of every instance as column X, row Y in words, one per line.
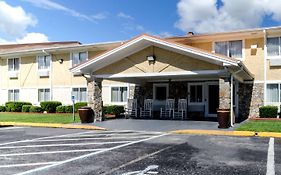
column 147, row 109
column 168, row 112
column 132, row 108
column 181, row 113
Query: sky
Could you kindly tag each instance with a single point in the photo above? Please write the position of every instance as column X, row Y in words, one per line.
column 93, row 21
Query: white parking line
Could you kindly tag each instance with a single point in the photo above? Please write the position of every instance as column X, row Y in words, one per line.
column 270, row 168
column 113, row 134
column 47, row 137
column 63, row 144
column 27, row 164
column 88, row 155
column 93, row 138
column 6, row 128
column 51, row 152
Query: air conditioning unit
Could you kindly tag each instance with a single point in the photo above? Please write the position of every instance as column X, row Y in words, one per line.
column 43, row 73
column 13, row 74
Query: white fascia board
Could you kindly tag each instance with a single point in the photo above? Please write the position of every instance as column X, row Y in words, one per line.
column 153, row 40
column 162, row 74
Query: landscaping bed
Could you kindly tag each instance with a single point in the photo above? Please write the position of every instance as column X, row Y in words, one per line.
column 261, row 125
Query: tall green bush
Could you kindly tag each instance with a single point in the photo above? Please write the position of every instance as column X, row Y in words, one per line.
column 15, row 106
column 50, row 106
column 68, row 109
column 113, row 109
column 60, row 109
column 268, row 111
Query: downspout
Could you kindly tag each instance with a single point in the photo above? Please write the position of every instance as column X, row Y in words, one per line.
column 231, row 100
column 264, row 67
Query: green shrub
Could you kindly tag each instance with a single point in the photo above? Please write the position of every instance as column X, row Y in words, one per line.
column 36, row 109
column 69, row 109
column 114, row 109
column 15, row 106
column 2, row 108
column 50, row 106
column 268, row 111
column 25, row 108
column 60, row 109
column 78, row 105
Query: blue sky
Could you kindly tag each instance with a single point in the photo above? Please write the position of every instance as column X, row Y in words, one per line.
column 109, row 20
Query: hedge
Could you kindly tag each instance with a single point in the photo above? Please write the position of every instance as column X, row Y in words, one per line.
column 78, row 105
column 268, row 111
column 15, row 106
column 25, row 108
column 60, row 109
column 50, row 106
column 114, row 109
column 2, row 108
column 36, row 109
column 68, row 109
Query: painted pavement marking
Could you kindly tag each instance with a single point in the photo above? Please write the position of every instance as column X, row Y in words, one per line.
column 270, row 168
column 26, row 164
column 7, row 128
column 90, row 154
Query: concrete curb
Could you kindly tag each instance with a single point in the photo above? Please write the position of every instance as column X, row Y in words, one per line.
column 52, row 125
column 229, row 133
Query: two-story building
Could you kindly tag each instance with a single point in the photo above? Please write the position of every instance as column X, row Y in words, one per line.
column 237, row 70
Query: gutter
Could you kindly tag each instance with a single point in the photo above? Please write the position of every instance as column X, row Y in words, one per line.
column 245, row 69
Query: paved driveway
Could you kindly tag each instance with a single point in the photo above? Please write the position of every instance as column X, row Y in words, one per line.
column 156, row 125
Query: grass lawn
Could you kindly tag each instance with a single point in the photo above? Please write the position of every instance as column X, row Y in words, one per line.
column 37, row 118
column 261, row 126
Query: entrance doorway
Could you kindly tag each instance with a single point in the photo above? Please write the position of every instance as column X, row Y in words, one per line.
column 213, row 100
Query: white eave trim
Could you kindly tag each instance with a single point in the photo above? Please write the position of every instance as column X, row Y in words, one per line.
column 162, row 74
column 157, row 41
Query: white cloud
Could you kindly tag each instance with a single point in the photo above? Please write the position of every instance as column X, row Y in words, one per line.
column 100, row 16
column 50, row 5
column 33, row 38
column 124, row 15
column 203, row 16
column 14, row 20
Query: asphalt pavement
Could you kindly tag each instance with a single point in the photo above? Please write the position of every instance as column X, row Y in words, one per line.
column 25, row 150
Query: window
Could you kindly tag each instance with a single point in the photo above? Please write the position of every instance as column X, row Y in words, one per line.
column 273, row 46
column 229, row 48
column 44, row 95
column 13, row 95
column 119, row 94
column 272, row 93
column 80, row 94
column 78, row 57
column 196, row 93
column 44, row 62
column 13, row 64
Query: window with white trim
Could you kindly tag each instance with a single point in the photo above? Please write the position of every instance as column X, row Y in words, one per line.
column 13, row 64
column 273, row 46
column 44, row 62
column 119, row 94
column 13, row 94
column 196, row 93
column 229, row 48
column 78, row 57
column 44, row 95
column 80, row 94
column 273, row 92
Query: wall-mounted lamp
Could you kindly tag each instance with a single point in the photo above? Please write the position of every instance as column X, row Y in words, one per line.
column 60, row 61
column 151, row 58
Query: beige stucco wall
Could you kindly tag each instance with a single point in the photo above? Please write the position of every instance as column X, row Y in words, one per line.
column 254, row 58
column 202, row 45
column 166, row 61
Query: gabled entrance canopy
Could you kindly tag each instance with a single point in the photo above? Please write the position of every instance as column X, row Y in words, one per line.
column 143, row 41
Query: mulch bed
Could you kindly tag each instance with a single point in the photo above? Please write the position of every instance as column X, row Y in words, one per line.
column 266, row 119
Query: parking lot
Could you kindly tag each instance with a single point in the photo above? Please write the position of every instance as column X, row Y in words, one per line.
column 25, row 150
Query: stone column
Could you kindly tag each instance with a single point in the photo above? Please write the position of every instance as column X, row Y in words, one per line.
column 224, row 93
column 95, row 97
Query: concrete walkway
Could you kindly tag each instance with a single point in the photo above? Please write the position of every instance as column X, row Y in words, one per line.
column 157, row 125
